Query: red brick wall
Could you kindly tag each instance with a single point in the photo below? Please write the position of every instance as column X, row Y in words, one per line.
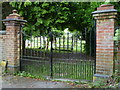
column 12, row 41
column 105, row 26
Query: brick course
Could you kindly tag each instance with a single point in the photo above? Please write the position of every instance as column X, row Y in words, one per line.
column 11, row 42
column 105, row 26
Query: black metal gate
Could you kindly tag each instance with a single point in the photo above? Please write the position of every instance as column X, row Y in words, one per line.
column 60, row 55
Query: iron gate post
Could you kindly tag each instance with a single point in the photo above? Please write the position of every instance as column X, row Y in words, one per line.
column 51, row 55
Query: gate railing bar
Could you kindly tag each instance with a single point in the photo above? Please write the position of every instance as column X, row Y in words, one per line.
column 59, row 44
column 95, row 45
column 63, row 42
column 72, row 44
column 34, row 45
column 90, row 54
column 40, row 45
column 51, row 55
column 67, row 41
column 31, row 45
column 20, row 41
column 34, row 60
column 37, row 46
column 85, row 51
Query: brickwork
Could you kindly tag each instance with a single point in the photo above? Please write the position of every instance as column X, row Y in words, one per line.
column 12, row 39
column 105, row 26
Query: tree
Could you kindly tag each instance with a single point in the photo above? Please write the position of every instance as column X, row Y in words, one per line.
column 6, row 10
column 43, row 16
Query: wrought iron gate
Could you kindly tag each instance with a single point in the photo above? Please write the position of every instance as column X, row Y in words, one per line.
column 64, row 55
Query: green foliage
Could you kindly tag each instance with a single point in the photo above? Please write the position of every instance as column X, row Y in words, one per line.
column 25, row 74
column 43, row 16
column 57, row 33
column 117, row 35
column 97, row 84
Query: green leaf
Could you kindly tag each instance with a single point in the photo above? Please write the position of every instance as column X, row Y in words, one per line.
column 36, row 2
column 65, row 8
column 27, row 3
column 45, row 4
column 117, row 35
column 40, row 21
column 60, row 21
column 35, row 9
column 47, row 22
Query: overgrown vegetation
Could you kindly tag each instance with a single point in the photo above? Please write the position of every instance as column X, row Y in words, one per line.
column 110, row 83
column 26, row 74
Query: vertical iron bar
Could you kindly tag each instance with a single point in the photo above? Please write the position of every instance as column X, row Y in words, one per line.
column 28, row 53
column 90, row 44
column 72, row 45
column 40, row 41
column 60, row 54
column 34, row 43
column 31, row 44
column 37, row 46
column 55, row 42
column 40, row 45
column 91, row 63
column 51, row 56
column 20, row 47
column 24, row 51
column 59, row 44
column 63, row 42
column 67, row 41
column 67, row 53
column 80, row 43
column 37, row 41
column 95, row 45
column 76, row 42
column 34, row 46
column 85, row 51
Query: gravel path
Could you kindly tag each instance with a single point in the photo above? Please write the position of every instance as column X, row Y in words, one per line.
column 10, row 81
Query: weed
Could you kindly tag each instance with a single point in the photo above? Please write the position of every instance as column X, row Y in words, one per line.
column 25, row 74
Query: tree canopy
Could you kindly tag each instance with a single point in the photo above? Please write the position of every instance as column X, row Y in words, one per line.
column 45, row 16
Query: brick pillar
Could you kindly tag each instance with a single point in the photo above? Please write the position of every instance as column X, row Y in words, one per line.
column 105, row 25
column 12, row 23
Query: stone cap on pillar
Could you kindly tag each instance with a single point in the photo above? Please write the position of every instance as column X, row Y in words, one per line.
column 105, row 8
column 14, row 17
column 105, row 11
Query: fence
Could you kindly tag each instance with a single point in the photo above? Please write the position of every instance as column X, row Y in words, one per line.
column 57, row 53
column 68, row 55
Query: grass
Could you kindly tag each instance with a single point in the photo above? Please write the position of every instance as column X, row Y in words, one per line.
column 76, row 45
column 82, row 70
